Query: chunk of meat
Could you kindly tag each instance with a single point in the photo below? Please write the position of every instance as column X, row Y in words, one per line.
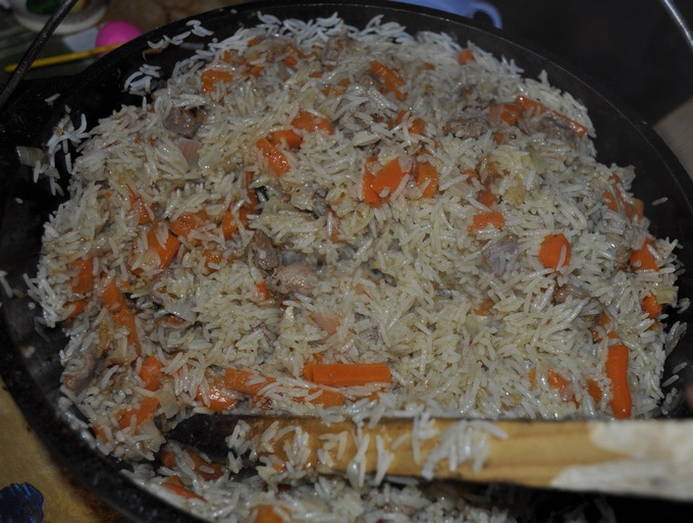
column 467, row 127
column 334, row 47
column 79, row 371
column 185, row 121
column 551, row 125
column 299, row 277
column 498, row 255
column 262, row 252
column 563, row 292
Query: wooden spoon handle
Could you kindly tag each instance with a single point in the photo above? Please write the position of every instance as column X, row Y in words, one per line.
column 638, row 457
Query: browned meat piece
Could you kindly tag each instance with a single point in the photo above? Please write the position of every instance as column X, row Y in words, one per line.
column 334, row 47
column 298, row 277
column 262, row 251
column 561, row 293
column 498, row 255
column 185, row 122
column 552, row 126
column 467, row 127
column 79, row 371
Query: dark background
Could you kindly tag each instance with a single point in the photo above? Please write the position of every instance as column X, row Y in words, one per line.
column 630, row 47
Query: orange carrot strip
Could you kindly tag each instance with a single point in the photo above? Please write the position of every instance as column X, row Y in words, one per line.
column 250, row 383
column 228, row 225
column 185, row 223
column 84, row 281
column 167, row 251
column 276, row 161
column 290, row 138
column 262, row 289
column 390, row 77
column 310, row 122
column 426, row 173
column 637, row 208
column 141, row 413
column 291, row 61
column 347, row 374
column 200, row 464
column 507, row 112
column 212, row 257
column 175, row 485
column 533, row 107
column 642, row 259
column 617, row 371
column 429, row 66
column 595, row 391
column 218, row 399
column 254, row 41
column 610, row 200
column 417, row 126
column 552, row 249
column 76, row 308
column 486, row 198
column 558, row 382
column 484, row 308
column 368, row 193
column 484, row 219
column 150, row 372
column 651, row 306
column 120, row 311
column 211, row 77
column 465, row 57
column 471, row 173
column 266, row 514
column 389, row 176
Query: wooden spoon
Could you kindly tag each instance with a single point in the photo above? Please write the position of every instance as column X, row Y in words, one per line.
column 653, row 458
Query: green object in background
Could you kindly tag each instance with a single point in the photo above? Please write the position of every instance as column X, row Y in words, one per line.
column 42, row 7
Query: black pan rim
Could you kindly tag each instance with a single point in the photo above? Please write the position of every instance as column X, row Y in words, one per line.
column 76, row 455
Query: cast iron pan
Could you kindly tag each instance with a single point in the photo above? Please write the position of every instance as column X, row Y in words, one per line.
column 33, row 374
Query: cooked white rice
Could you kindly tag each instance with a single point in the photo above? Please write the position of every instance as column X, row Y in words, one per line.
column 469, row 322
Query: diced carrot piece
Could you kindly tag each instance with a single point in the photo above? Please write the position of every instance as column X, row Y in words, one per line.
column 84, row 280
column 617, row 371
column 347, row 374
column 120, row 311
column 555, row 251
column 651, row 306
column 212, row 257
column 211, row 77
column 532, row 377
column 175, row 485
column 168, row 459
column 642, row 259
column 150, row 373
column 291, row 61
column 390, row 77
column 185, row 223
column 99, row 432
column 315, row 74
column 427, row 174
column 637, row 208
column 165, row 252
column 276, row 161
column 144, row 214
column 429, row 66
column 486, row 198
column 595, row 391
column 288, row 137
column 256, row 70
column 485, row 219
column 310, row 122
column 417, row 126
column 207, row 470
column 254, row 41
column 465, row 57
column 143, row 412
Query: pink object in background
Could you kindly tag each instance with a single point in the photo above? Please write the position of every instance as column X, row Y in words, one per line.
column 116, row 32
